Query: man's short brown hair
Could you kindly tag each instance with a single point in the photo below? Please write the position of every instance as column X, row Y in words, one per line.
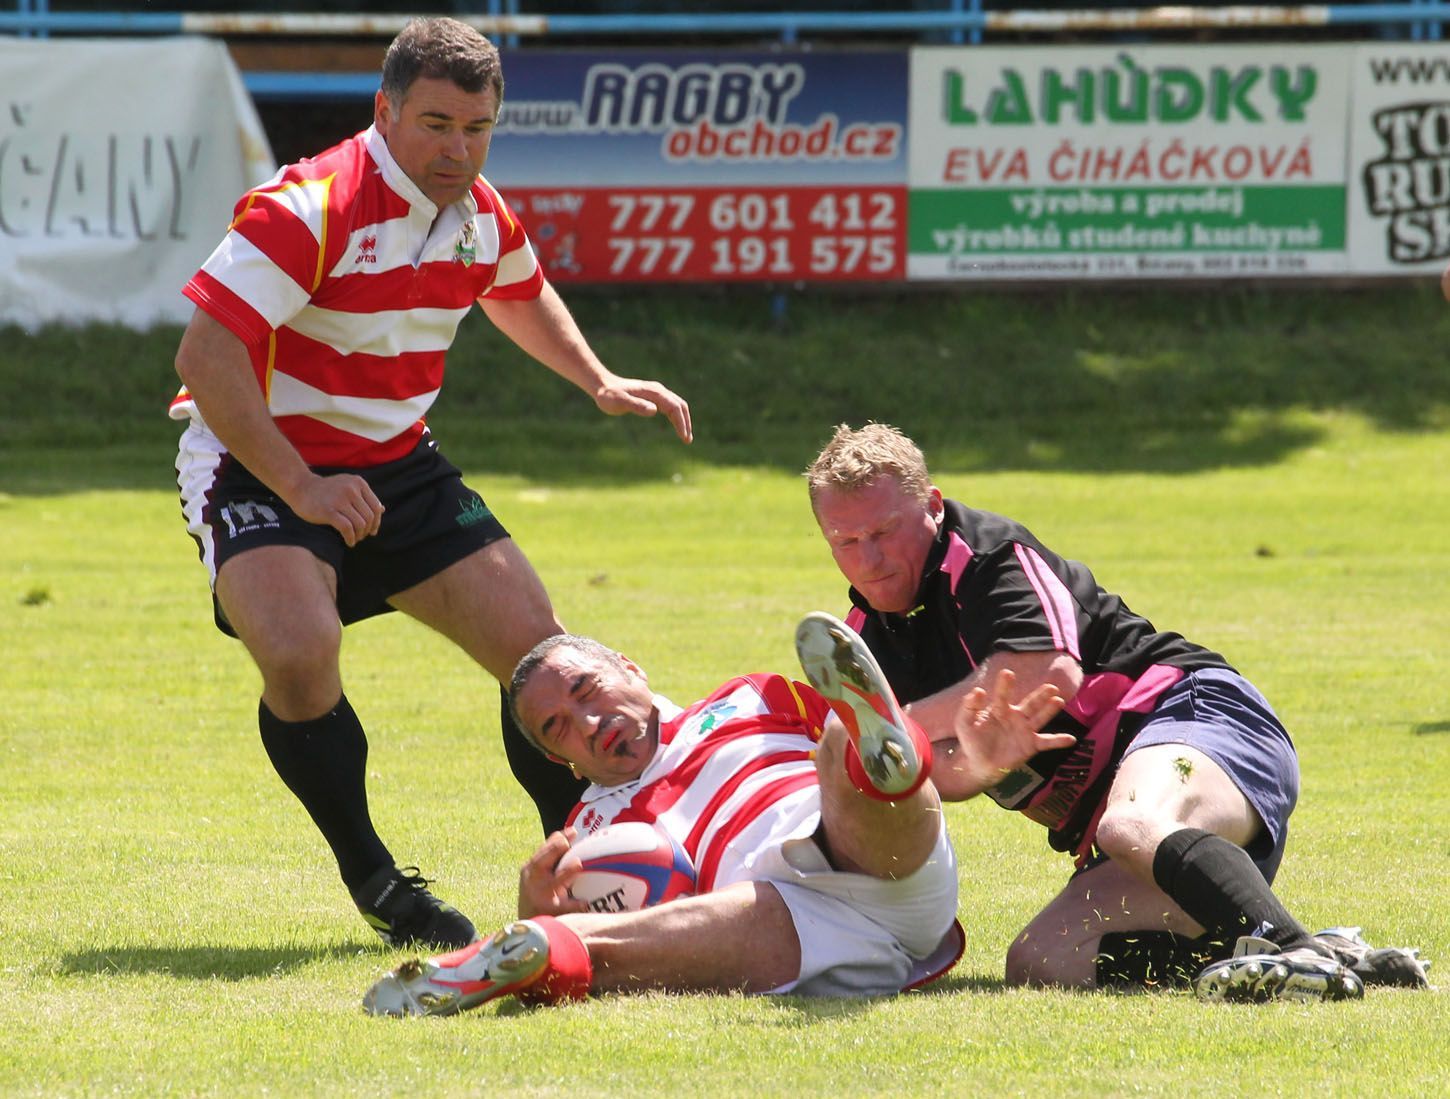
column 857, row 458
column 441, row 49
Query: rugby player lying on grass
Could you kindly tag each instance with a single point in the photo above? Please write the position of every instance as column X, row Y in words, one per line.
column 823, row 866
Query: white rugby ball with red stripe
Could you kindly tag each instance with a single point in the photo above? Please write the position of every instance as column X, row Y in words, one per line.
column 629, row 866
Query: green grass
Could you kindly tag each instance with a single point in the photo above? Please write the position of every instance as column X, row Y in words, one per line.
column 1264, row 473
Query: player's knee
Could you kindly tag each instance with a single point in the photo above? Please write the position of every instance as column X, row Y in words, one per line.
column 1128, row 835
column 1044, row 960
column 1031, row 958
column 300, row 662
column 1022, row 961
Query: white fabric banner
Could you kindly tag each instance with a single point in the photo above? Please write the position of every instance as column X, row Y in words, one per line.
column 1399, row 168
column 120, row 162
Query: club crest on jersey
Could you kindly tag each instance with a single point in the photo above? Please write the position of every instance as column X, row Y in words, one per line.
column 712, row 715
column 463, row 247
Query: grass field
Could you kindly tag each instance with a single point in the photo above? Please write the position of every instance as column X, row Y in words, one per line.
column 1265, row 473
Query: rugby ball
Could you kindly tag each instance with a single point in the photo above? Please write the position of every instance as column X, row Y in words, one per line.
column 629, row 866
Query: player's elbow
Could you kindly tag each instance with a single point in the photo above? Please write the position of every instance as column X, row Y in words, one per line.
column 191, row 358
column 1065, row 673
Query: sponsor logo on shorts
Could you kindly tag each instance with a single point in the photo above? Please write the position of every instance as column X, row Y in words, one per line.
column 472, row 511
column 245, row 516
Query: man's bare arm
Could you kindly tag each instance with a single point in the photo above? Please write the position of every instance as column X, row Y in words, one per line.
column 217, row 370
column 544, row 328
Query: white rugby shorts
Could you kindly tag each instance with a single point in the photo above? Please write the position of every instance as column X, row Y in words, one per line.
column 866, row 936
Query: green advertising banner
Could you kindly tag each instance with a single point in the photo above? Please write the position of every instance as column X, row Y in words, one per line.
column 1143, row 162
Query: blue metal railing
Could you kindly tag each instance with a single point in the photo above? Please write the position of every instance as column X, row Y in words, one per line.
column 964, row 19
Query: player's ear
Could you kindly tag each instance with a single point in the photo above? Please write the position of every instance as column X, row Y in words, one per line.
column 382, row 113
column 935, row 507
column 635, row 668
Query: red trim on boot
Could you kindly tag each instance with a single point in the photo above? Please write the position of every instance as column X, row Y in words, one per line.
column 856, row 771
column 569, row 972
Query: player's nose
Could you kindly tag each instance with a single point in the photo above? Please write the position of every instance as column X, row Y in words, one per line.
column 455, row 146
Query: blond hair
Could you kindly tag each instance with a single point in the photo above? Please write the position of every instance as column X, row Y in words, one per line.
column 855, row 459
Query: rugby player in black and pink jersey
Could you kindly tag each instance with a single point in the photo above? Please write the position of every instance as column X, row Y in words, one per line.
column 1174, row 797
column 315, row 492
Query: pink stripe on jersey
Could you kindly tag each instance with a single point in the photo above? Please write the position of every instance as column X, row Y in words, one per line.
column 1057, row 601
column 1099, row 705
column 856, row 618
column 1098, row 693
column 1104, row 691
column 958, row 556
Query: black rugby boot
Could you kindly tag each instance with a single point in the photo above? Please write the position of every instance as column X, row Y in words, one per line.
column 398, row 906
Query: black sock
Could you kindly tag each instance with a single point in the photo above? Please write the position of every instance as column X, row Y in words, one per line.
column 324, row 762
column 554, row 789
column 1153, row 959
column 1216, row 883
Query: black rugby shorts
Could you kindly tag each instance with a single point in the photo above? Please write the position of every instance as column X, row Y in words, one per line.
column 431, row 520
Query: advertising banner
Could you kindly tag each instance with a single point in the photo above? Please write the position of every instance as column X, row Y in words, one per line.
column 1399, row 173
column 119, row 165
column 1142, row 162
column 657, row 166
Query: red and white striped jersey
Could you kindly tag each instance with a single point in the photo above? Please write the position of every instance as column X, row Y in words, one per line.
column 347, row 285
column 733, row 777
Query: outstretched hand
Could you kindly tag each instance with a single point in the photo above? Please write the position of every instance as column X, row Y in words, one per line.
column 543, row 886
column 641, row 397
column 995, row 735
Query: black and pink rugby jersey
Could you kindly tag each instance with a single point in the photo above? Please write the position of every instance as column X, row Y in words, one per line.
column 989, row 585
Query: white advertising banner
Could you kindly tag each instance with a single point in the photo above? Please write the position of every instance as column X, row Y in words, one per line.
column 120, row 162
column 1399, row 174
column 1139, row 162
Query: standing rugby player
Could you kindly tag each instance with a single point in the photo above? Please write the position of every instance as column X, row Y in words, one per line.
column 308, row 476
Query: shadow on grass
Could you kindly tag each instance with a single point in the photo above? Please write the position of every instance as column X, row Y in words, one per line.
column 1077, row 379
column 804, row 1010
column 1428, row 728
column 208, row 963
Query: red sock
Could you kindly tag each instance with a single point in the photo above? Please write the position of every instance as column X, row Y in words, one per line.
column 856, row 772
column 569, row 972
